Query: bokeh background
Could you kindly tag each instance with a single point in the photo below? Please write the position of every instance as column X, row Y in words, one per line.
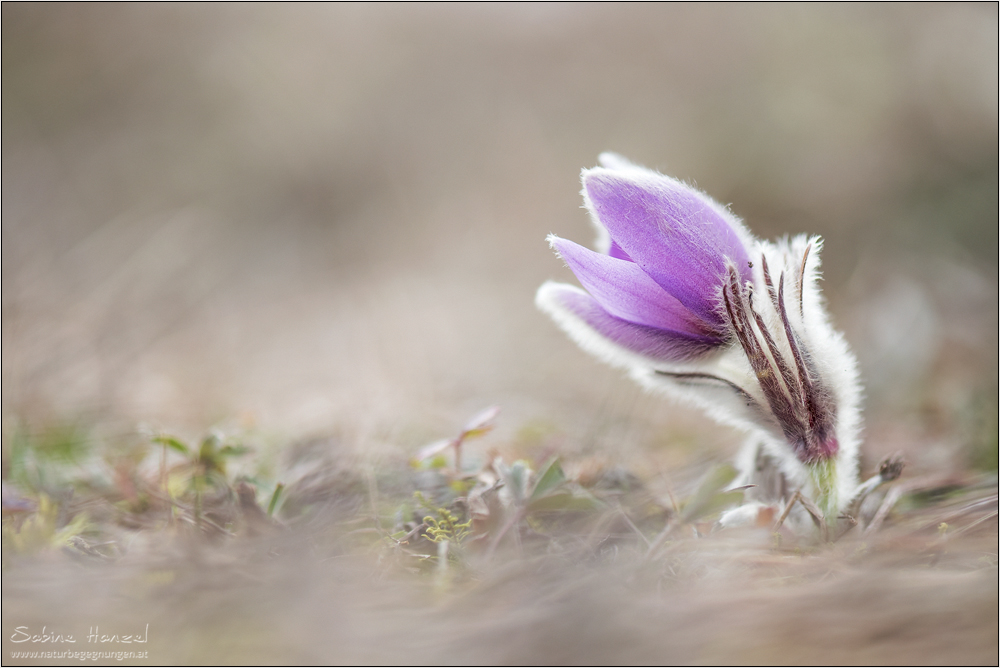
column 321, row 227
column 311, row 219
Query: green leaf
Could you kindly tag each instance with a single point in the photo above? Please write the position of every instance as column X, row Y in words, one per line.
column 481, row 423
column 278, row 489
column 564, row 500
column 548, row 480
column 433, row 449
column 710, row 498
column 172, row 443
column 233, row 451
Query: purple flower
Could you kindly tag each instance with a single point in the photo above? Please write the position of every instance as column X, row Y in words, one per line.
column 690, row 303
column 655, row 290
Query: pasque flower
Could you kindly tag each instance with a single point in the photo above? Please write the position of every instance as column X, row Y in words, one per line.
column 682, row 296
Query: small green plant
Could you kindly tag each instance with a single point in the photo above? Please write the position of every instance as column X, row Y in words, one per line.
column 530, row 495
column 205, row 466
column 446, row 528
column 48, row 459
column 41, row 529
column 443, row 524
column 432, row 456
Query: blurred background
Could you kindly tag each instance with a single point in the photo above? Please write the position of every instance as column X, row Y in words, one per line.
column 324, row 225
column 318, row 218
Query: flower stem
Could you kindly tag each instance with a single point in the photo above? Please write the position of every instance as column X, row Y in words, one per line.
column 823, row 474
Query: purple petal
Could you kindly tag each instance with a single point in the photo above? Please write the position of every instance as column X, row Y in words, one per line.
column 678, row 236
column 616, row 251
column 625, row 291
column 589, row 318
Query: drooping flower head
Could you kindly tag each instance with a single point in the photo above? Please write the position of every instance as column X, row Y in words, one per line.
column 689, row 302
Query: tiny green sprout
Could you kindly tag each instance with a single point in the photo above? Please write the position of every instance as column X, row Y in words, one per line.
column 275, row 498
column 423, row 501
column 212, row 455
column 447, row 528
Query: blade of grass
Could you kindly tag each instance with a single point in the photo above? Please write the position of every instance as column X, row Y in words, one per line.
column 275, row 497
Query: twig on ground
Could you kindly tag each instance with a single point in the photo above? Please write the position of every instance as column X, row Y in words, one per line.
column 893, row 496
column 631, row 524
column 784, row 513
column 811, row 508
column 660, row 538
